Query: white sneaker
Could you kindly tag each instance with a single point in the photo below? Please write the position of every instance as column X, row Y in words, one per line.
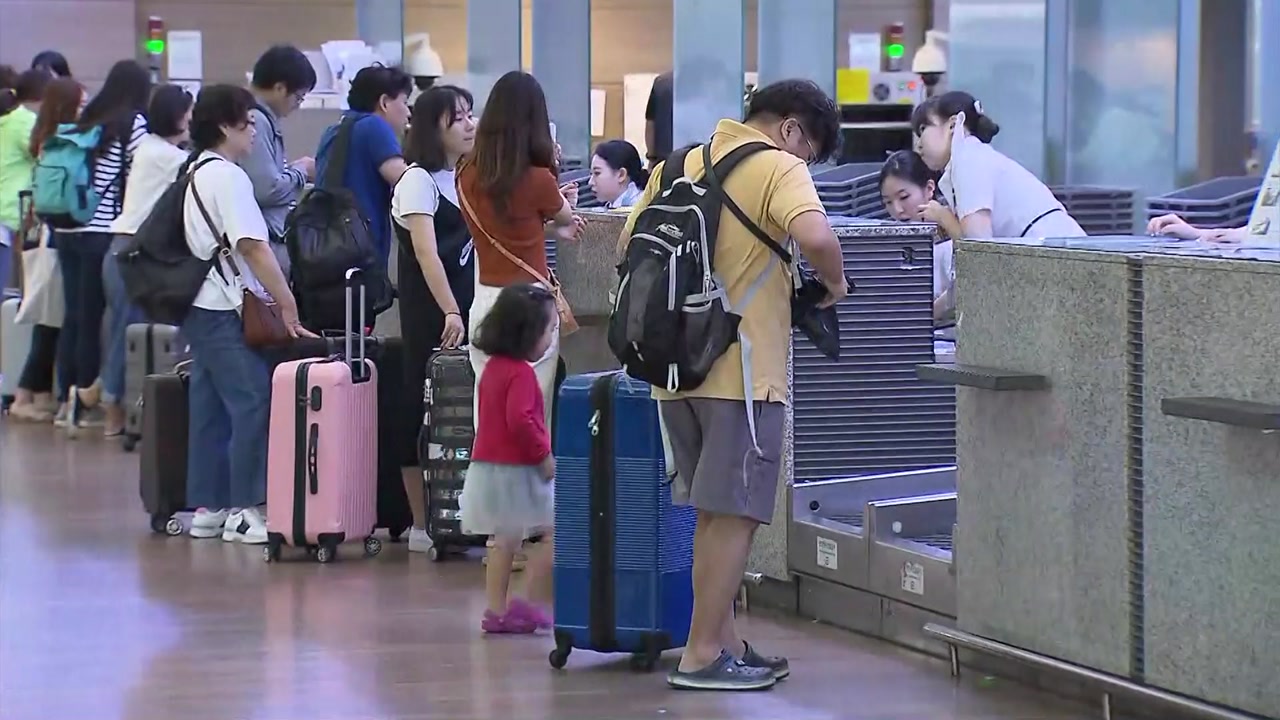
column 208, row 523
column 419, row 540
column 246, row 526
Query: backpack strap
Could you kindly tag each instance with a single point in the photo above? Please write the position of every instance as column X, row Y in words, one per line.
column 716, row 174
column 673, row 167
column 337, row 165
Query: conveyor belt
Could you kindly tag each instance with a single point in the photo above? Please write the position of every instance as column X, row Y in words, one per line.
column 939, row 541
column 855, row 520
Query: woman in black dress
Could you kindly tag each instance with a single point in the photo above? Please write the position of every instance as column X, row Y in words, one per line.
column 436, row 263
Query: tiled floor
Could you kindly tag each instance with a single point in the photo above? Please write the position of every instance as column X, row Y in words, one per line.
column 101, row 620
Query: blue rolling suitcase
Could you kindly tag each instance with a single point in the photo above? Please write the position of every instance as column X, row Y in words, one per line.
column 623, row 572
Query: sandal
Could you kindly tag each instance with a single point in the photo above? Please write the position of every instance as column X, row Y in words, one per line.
column 725, row 673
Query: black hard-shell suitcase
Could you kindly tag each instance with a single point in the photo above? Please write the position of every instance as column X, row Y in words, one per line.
column 444, row 448
column 163, row 460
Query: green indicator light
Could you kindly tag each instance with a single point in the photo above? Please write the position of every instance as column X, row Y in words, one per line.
column 896, row 50
column 155, row 47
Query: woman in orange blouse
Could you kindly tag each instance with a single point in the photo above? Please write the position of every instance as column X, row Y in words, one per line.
column 509, row 194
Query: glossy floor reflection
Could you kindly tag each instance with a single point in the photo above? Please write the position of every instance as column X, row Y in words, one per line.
column 101, row 619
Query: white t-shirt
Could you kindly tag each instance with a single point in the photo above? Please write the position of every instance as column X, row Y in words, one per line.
column 979, row 177
column 227, row 194
column 155, row 167
column 418, row 193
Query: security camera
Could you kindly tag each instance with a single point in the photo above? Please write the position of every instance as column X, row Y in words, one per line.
column 931, row 59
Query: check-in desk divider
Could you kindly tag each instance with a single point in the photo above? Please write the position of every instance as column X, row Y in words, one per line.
column 1135, row 476
column 1155, row 426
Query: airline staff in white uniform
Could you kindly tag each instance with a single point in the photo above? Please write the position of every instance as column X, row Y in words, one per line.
column 993, row 196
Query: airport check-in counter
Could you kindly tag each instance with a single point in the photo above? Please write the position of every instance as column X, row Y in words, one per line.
column 588, row 272
column 1211, row 607
column 1117, row 462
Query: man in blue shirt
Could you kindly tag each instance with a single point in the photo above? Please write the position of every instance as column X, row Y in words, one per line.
column 379, row 99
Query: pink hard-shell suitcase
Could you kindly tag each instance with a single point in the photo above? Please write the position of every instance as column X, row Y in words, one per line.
column 322, row 449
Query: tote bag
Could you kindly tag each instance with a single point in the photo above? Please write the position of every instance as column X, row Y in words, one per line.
column 42, row 298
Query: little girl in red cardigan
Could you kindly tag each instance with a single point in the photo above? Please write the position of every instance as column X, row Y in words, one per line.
column 508, row 491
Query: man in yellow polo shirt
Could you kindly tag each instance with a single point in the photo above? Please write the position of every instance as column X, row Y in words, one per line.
column 729, row 476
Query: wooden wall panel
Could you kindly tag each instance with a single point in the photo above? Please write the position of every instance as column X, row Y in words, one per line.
column 237, row 31
column 93, row 34
column 628, row 36
column 633, row 36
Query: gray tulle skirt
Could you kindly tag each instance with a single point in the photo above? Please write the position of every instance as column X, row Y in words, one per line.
column 505, row 500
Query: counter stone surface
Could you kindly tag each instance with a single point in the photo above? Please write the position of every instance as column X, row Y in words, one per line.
column 1041, row 562
column 1212, row 492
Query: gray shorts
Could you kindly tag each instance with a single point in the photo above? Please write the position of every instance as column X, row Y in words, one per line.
column 717, row 470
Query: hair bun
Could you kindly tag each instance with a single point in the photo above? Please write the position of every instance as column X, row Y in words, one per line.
column 984, row 128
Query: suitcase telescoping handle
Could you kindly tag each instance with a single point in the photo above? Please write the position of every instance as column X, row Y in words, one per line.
column 359, row 371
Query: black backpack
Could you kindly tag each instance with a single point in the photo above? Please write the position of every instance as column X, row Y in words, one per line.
column 672, row 319
column 160, row 273
column 326, row 236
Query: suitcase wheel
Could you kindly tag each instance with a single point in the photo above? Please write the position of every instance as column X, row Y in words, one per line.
column 166, row 525
column 273, row 549
column 326, row 554
column 372, row 546
column 643, row 662
column 130, row 442
column 559, row 657
column 437, row 553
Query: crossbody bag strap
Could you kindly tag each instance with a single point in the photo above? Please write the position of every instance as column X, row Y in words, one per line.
column 224, row 246
column 337, row 165
column 713, row 180
column 466, row 208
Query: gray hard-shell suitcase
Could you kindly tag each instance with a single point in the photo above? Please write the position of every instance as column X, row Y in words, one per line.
column 149, row 349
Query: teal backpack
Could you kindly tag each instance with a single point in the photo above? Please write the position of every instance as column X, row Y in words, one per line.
column 62, row 192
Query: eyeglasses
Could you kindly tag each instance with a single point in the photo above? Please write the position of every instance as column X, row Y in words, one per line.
column 813, row 152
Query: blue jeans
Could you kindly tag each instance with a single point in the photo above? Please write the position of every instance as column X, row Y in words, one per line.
column 123, row 314
column 230, row 402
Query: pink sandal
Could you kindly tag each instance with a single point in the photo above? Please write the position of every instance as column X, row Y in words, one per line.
column 527, row 611
column 508, row 624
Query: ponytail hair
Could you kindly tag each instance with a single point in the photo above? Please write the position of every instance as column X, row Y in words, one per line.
column 940, row 108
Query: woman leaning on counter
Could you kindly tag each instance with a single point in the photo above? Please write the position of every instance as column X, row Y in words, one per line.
column 992, row 195
column 909, row 191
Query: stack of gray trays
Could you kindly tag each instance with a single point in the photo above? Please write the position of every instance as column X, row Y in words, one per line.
column 1224, row 202
column 851, row 190
column 1099, row 210
column 868, row 413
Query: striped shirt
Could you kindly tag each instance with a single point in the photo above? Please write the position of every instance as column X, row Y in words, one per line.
column 109, row 171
